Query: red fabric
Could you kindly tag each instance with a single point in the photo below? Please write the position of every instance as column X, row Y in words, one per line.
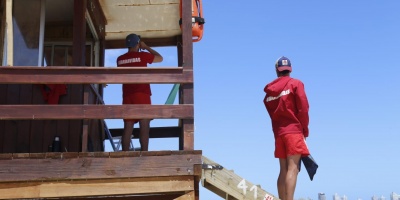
column 287, row 105
column 136, row 98
column 52, row 92
column 135, row 59
column 290, row 144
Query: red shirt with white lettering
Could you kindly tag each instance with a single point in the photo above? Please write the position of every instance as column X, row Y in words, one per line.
column 287, row 105
column 135, row 59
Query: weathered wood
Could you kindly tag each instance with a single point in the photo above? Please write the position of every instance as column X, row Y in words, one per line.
column 10, row 33
column 225, row 183
column 85, row 128
column 9, row 112
column 75, row 75
column 24, row 127
column 98, row 18
column 187, row 138
column 2, row 28
column 57, row 167
column 11, row 127
column 94, row 188
column 37, row 127
column 187, row 196
column 167, row 196
column 79, row 33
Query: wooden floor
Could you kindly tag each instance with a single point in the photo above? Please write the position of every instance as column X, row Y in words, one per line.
column 103, row 175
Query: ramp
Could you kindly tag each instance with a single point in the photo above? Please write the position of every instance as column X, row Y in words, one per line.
column 228, row 185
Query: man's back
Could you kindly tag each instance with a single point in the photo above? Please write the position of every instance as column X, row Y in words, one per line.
column 287, row 105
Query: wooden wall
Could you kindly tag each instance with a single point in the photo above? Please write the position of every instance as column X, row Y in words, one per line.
column 34, row 136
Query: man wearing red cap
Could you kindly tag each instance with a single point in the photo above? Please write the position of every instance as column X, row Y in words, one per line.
column 137, row 93
column 287, row 106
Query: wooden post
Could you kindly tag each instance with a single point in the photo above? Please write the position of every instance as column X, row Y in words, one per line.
column 187, row 89
column 78, row 54
column 10, row 33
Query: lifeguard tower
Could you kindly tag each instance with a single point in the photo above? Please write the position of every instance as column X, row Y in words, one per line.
column 51, row 85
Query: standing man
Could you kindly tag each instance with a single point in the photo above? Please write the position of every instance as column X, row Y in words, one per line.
column 287, row 105
column 137, row 93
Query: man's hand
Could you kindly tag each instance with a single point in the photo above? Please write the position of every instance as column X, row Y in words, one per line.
column 157, row 56
column 143, row 46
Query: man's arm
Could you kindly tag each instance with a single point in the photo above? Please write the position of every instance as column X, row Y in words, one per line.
column 157, row 56
column 302, row 107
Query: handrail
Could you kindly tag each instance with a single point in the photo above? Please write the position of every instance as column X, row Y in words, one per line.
column 89, row 75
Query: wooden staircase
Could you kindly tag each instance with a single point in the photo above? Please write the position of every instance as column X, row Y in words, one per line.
column 230, row 186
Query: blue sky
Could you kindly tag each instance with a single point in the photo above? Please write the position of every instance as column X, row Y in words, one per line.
column 347, row 53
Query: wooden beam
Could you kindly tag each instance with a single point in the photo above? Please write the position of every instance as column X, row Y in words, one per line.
column 10, row 33
column 94, row 188
column 187, row 196
column 135, row 197
column 79, row 33
column 98, row 18
column 229, row 185
column 128, row 111
column 166, row 196
column 57, row 167
column 2, row 28
column 152, row 42
column 187, row 138
column 78, row 75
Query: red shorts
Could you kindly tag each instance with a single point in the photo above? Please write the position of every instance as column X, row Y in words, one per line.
column 136, row 98
column 290, row 144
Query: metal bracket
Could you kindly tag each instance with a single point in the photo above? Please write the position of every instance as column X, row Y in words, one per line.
column 209, row 166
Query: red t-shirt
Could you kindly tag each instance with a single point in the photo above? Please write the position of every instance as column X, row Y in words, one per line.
column 287, row 105
column 135, row 59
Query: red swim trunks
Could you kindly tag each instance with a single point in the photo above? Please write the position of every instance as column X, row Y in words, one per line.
column 290, row 144
column 136, row 98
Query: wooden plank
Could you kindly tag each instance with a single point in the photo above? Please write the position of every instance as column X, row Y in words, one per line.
column 87, row 75
column 2, row 28
column 166, row 196
column 79, row 33
column 85, row 127
column 3, row 100
column 187, row 139
column 11, row 127
column 58, row 168
column 226, row 183
column 79, row 58
column 93, row 188
column 37, row 126
column 187, row 196
column 49, row 133
column 96, row 136
column 9, row 112
column 98, row 18
column 10, row 33
column 152, row 42
column 24, row 126
column 75, row 129
column 63, row 133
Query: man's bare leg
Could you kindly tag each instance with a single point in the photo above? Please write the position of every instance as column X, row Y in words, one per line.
column 126, row 137
column 144, row 134
column 291, row 176
column 282, row 178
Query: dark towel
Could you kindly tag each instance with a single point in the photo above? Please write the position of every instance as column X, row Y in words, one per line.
column 310, row 165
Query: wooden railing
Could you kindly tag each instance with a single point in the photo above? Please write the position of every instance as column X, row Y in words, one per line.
column 101, row 75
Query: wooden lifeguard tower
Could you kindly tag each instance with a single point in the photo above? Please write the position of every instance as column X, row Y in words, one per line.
column 51, row 84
